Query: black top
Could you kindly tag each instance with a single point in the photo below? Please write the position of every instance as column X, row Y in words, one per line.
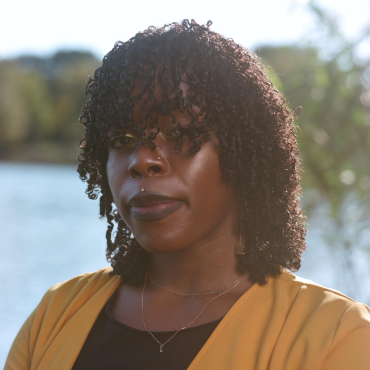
column 112, row 345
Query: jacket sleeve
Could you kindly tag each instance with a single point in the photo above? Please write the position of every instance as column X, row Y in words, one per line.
column 19, row 357
column 351, row 344
column 56, row 307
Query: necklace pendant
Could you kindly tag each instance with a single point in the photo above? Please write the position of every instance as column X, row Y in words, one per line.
column 161, row 348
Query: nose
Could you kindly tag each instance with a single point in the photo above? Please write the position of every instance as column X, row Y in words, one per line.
column 147, row 162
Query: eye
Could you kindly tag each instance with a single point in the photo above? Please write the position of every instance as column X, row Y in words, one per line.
column 173, row 132
column 127, row 141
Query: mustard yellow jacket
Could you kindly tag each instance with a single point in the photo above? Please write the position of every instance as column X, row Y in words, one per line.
column 288, row 324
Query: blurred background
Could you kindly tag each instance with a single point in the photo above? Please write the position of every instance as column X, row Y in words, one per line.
column 316, row 52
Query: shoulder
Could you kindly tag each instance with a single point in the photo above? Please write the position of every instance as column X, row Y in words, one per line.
column 70, row 302
column 296, row 283
column 91, row 280
column 322, row 323
column 70, row 295
column 320, row 304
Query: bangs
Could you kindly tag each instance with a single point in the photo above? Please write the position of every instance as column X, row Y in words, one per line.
column 145, row 86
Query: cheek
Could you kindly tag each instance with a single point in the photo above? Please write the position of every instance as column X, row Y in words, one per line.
column 209, row 191
column 114, row 167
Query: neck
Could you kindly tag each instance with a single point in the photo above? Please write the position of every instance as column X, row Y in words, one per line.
column 205, row 266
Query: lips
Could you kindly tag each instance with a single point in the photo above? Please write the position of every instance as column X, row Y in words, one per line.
column 150, row 206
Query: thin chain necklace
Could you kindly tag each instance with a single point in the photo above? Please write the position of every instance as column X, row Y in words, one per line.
column 196, row 294
column 161, row 345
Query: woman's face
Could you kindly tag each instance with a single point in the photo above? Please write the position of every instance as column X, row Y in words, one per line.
column 185, row 201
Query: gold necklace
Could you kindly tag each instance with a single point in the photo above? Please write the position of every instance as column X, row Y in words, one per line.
column 161, row 345
column 196, row 294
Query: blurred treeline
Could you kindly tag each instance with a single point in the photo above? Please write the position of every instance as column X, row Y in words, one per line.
column 40, row 104
column 325, row 78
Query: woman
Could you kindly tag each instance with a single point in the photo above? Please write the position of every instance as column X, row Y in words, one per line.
column 195, row 156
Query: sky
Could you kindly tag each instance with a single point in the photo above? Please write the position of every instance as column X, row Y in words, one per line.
column 42, row 26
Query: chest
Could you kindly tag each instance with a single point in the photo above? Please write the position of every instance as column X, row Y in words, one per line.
column 167, row 312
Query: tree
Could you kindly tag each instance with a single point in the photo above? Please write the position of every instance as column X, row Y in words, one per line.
column 328, row 86
column 40, row 104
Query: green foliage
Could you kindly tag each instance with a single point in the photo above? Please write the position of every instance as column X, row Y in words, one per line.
column 334, row 134
column 327, row 85
column 40, row 104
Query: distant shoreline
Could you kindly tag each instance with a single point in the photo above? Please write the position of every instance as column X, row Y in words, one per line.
column 44, row 152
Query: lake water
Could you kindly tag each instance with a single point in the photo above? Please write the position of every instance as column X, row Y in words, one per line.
column 50, row 232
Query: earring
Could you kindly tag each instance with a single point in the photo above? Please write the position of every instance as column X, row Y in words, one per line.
column 142, row 189
column 240, row 249
column 159, row 158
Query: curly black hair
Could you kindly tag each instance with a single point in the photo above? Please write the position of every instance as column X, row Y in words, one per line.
column 237, row 101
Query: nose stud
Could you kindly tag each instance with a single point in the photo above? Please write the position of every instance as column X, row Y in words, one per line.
column 142, row 189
